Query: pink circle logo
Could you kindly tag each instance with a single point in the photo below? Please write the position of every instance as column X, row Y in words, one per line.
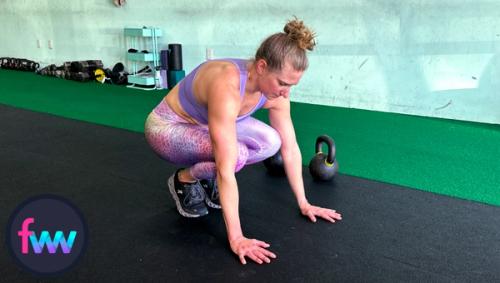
column 46, row 235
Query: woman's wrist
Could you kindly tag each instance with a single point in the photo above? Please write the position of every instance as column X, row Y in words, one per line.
column 234, row 233
column 233, row 239
column 302, row 203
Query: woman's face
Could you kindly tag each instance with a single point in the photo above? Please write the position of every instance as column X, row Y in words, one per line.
column 274, row 84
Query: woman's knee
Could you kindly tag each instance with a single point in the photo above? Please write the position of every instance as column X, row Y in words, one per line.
column 207, row 170
column 271, row 143
column 261, row 139
column 241, row 161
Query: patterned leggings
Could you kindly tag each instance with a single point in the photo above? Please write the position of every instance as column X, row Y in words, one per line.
column 183, row 143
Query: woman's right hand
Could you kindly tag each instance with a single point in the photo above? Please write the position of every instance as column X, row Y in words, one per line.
column 254, row 249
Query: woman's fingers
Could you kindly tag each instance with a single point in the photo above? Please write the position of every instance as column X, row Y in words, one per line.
column 329, row 215
column 261, row 243
column 335, row 215
column 242, row 258
column 311, row 216
column 325, row 213
column 268, row 253
column 329, row 218
column 262, row 258
column 257, row 252
column 254, row 257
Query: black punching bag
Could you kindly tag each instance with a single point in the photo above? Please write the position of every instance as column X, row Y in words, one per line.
column 175, row 57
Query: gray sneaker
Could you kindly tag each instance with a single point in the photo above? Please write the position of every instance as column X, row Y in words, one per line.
column 211, row 192
column 189, row 197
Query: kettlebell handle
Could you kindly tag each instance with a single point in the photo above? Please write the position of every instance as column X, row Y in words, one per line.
column 331, row 147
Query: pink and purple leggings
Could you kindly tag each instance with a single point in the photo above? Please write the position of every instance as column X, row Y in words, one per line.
column 183, row 143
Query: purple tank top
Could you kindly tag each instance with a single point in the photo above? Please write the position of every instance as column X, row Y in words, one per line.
column 200, row 112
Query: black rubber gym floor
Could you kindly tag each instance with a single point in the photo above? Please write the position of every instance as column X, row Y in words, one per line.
column 388, row 233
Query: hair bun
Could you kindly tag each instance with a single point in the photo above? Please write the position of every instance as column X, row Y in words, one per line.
column 297, row 31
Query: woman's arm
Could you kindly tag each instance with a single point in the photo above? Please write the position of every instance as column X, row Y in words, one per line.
column 223, row 108
column 281, row 121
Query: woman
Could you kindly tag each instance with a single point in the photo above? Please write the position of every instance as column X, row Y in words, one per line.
column 204, row 123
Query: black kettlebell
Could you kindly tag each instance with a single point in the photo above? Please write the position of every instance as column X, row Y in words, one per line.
column 323, row 167
column 274, row 165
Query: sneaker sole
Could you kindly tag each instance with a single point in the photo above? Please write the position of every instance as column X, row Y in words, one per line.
column 171, row 189
column 211, row 203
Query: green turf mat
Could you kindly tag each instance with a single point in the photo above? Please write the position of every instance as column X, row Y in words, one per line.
column 112, row 105
column 448, row 157
column 454, row 158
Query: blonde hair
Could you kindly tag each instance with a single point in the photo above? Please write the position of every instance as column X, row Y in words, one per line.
column 290, row 45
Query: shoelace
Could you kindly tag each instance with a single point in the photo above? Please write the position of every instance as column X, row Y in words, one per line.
column 215, row 191
column 194, row 194
column 211, row 188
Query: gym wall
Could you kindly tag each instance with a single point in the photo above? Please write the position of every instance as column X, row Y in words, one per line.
column 420, row 57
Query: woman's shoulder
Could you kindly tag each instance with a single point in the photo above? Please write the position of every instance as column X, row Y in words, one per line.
column 222, row 65
column 219, row 70
column 216, row 77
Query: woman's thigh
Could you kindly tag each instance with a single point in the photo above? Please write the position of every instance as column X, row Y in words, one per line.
column 178, row 142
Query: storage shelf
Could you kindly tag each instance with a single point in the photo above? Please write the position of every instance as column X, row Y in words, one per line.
column 145, row 79
column 143, row 32
column 135, row 35
column 145, row 57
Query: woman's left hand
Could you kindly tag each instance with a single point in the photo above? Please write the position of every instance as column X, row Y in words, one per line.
column 312, row 211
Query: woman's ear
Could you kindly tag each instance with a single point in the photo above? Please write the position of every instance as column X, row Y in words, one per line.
column 261, row 66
